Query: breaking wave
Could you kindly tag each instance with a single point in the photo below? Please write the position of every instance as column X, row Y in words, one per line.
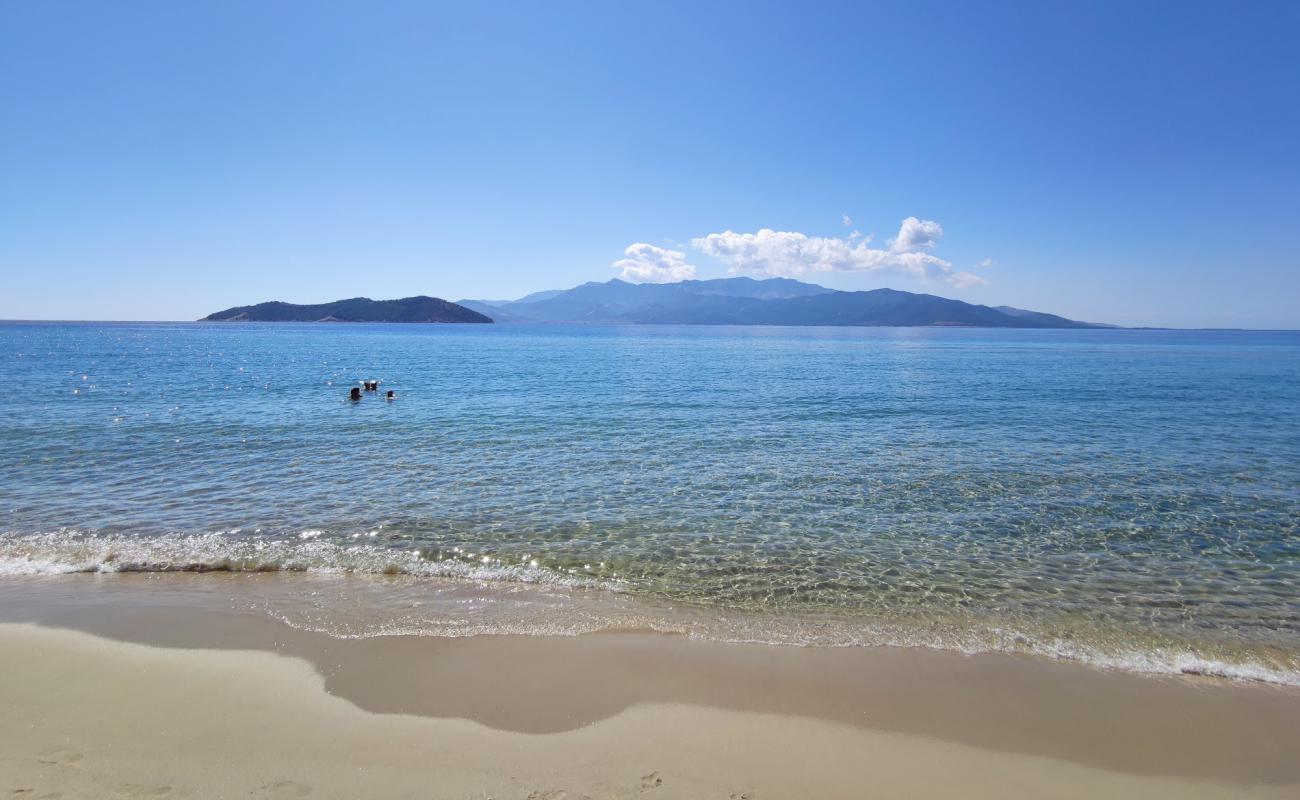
column 67, row 552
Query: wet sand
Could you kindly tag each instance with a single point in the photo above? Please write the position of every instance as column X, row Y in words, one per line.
column 170, row 686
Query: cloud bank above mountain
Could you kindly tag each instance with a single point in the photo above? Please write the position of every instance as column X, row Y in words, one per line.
column 789, row 254
column 768, row 253
column 645, row 263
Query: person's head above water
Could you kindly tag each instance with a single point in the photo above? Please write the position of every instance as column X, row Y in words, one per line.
column 355, row 394
column 391, row 395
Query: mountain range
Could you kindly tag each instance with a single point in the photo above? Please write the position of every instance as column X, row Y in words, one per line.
column 725, row 301
column 746, row 301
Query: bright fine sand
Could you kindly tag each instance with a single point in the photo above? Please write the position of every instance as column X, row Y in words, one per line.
column 282, row 713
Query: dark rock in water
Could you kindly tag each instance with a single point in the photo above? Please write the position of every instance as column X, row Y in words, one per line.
column 358, row 309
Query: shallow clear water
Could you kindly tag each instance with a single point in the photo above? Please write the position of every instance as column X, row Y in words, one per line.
column 1115, row 495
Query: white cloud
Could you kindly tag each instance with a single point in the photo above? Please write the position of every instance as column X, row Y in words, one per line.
column 771, row 253
column 646, row 263
column 914, row 234
column 988, row 262
column 848, row 221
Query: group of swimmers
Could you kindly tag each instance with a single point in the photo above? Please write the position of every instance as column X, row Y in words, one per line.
column 370, row 386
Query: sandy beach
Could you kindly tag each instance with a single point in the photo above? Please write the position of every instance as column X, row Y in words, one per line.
column 139, row 686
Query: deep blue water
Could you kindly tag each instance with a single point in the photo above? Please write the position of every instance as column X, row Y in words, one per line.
column 1139, row 489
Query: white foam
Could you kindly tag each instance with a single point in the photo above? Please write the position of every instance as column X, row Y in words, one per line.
column 26, row 565
column 1162, row 661
column 73, row 551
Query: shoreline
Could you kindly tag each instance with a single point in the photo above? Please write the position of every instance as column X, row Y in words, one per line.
column 405, row 592
column 1045, row 721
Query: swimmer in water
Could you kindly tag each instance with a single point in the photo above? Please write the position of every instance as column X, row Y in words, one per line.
column 391, row 395
column 355, row 394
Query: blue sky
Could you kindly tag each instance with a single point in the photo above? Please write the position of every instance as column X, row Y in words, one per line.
column 1135, row 163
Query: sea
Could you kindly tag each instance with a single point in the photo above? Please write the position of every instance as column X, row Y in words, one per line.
column 1128, row 499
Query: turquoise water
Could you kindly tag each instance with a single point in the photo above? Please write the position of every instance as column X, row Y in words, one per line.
column 1126, row 497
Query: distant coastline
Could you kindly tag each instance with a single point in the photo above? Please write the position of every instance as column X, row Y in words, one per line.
column 727, row 301
column 1171, row 329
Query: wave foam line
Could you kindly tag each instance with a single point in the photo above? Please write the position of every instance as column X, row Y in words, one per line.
column 69, row 552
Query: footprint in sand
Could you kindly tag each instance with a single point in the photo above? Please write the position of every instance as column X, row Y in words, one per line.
column 554, row 794
column 58, row 755
column 651, row 782
column 741, row 796
column 282, row 789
